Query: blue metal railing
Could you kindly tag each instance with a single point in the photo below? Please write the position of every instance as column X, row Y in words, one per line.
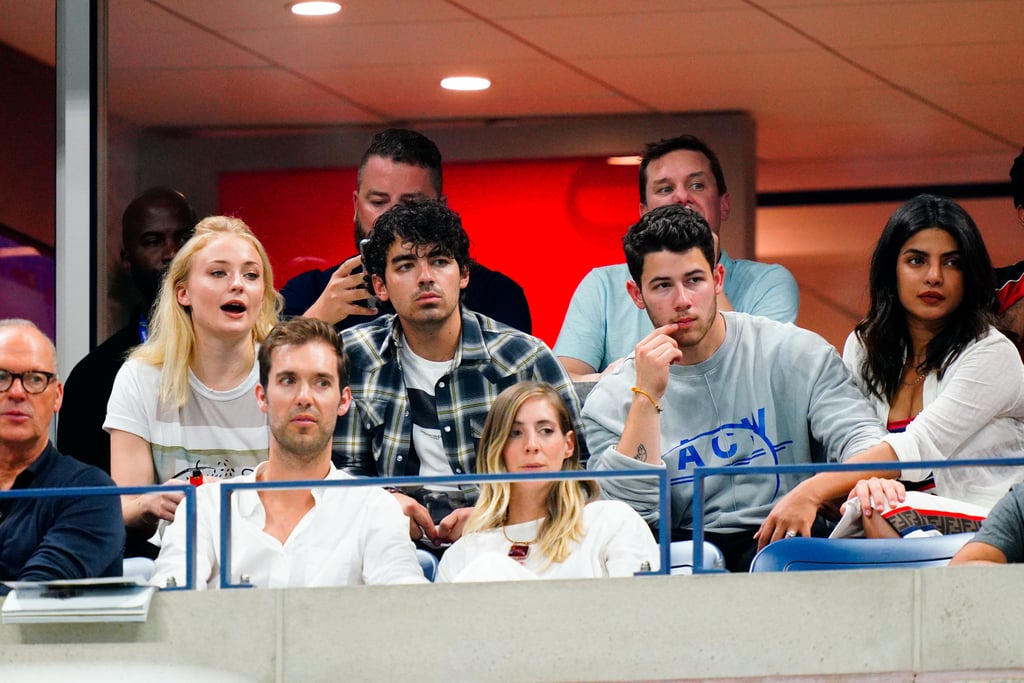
column 702, row 473
column 85, row 491
column 228, row 487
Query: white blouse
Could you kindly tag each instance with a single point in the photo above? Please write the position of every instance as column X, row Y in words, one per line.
column 616, row 542
column 975, row 411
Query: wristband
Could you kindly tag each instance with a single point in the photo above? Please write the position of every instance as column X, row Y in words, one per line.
column 657, row 406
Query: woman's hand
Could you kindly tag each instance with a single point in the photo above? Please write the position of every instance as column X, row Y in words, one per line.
column 157, row 506
column 874, row 493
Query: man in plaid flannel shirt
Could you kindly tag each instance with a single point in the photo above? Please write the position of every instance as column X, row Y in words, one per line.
column 424, row 377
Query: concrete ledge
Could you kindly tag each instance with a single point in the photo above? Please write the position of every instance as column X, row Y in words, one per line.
column 885, row 625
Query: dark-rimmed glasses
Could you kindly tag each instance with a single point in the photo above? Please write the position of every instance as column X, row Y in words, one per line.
column 34, row 381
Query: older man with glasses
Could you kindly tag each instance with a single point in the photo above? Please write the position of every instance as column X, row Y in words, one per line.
column 46, row 538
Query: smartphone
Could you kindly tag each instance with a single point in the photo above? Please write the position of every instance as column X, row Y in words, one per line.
column 371, row 300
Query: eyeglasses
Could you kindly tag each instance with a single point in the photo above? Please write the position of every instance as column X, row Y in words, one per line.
column 34, row 381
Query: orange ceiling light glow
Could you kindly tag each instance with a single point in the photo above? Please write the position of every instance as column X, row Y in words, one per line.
column 314, row 9
column 631, row 160
column 465, row 83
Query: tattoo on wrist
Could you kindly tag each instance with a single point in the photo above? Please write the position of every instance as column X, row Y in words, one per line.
column 641, row 453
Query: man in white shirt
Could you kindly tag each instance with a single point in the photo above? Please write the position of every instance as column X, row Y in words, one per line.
column 302, row 537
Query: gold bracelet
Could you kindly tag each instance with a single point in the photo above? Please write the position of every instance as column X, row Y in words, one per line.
column 638, row 390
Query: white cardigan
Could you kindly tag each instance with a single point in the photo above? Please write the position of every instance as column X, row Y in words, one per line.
column 975, row 411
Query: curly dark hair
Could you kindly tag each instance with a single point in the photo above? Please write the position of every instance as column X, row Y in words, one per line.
column 883, row 332
column 422, row 223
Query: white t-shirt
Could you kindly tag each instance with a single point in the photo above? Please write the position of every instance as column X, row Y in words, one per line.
column 421, row 375
column 351, row 536
column 224, row 431
column 616, row 542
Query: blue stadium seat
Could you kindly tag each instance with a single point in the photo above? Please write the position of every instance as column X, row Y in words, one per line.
column 812, row 554
column 681, row 557
column 428, row 562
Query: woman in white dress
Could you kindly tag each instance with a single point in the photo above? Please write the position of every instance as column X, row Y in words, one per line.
column 185, row 399
column 542, row 529
column 948, row 384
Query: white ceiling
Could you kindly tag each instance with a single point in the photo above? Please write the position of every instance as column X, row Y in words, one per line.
column 844, row 92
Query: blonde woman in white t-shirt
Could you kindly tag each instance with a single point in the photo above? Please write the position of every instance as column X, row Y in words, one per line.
column 216, row 304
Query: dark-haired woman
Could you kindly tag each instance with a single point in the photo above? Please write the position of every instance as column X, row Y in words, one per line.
column 948, row 384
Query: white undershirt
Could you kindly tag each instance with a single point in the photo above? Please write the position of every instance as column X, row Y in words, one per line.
column 422, row 375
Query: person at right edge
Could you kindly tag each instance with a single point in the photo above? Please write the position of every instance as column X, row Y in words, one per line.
column 1010, row 279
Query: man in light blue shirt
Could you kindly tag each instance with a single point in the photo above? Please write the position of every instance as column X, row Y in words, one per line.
column 602, row 325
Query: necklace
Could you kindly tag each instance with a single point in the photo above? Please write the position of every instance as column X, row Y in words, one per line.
column 920, row 378
column 519, row 550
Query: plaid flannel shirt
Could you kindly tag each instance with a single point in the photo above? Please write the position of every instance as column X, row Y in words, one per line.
column 373, row 438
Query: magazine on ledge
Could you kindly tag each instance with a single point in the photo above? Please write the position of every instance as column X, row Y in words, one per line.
column 116, row 598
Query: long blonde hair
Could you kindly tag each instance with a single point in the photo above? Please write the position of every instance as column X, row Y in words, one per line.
column 171, row 345
column 566, row 499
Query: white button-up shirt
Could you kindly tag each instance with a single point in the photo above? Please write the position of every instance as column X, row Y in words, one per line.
column 351, row 536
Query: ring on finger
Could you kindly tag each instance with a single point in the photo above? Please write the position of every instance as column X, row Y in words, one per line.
column 790, row 534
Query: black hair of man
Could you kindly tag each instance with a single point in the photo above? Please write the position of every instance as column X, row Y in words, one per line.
column 404, row 146
column 656, row 150
column 672, row 228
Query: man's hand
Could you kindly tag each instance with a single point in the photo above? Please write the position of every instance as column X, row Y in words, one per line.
column 420, row 522
column 338, row 300
column 653, row 356
column 450, row 528
column 791, row 516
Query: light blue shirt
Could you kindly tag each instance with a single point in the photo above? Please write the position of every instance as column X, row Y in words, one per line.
column 603, row 324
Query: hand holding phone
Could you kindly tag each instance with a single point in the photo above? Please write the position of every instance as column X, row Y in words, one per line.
column 371, row 300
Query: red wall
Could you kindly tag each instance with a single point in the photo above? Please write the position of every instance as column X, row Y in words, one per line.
column 543, row 223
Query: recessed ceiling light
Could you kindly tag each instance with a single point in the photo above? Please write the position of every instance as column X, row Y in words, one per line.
column 465, row 83
column 315, row 9
column 624, row 161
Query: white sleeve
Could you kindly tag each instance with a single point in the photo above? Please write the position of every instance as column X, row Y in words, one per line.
column 630, row 542
column 173, row 547
column 133, row 400
column 389, row 556
column 986, row 381
column 452, row 562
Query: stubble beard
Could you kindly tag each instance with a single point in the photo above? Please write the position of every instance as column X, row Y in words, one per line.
column 303, row 448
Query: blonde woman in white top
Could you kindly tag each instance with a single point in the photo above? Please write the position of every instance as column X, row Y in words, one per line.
column 542, row 529
column 186, row 397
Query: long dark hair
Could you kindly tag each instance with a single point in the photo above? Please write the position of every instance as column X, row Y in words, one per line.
column 884, row 333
